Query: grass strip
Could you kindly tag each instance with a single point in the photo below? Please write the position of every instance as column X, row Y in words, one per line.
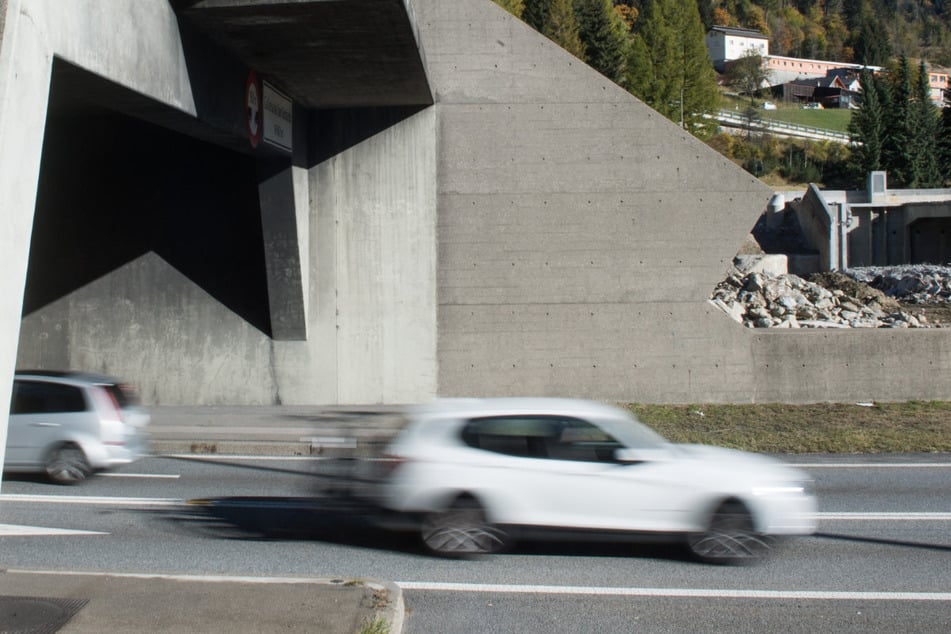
column 910, row 427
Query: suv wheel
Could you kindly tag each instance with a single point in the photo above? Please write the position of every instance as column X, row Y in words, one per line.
column 462, row 530
column 67, row 464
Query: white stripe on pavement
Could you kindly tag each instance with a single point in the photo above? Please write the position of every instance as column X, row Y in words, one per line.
column 13, row 530
column 139, row 475
column 821, row 595
column 904, row 517
column 89, row 499
column 870, row 465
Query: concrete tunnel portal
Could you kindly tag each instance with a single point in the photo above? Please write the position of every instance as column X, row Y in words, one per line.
column 113, row 187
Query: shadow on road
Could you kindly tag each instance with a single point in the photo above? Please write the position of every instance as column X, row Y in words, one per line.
column 885, row 542
column 345, row 521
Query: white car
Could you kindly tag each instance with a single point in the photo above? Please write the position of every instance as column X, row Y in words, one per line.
column 474, row 473
column 769, row 105
column 71, row 424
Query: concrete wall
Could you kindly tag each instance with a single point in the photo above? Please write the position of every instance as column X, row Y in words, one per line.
column 580, row 232
column 362, row 222
column 536, row 231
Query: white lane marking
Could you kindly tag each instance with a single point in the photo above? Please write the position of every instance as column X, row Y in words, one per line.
column 204, row 578
column 822, row 595
column 13, row 530
column 887, row 517
column 139, row 475
column 219, row 456
column 89, row 499
column 870, row 465
column 210, row 431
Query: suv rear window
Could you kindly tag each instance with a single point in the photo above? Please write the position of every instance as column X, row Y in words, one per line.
column 36, row 397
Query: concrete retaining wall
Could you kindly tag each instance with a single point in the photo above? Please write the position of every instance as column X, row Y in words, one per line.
column 537, row 231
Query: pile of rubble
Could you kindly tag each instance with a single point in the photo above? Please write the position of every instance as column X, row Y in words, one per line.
column 860, row 298
column 913, row 284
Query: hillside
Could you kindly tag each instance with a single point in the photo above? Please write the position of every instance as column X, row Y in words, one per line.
column 860, row 31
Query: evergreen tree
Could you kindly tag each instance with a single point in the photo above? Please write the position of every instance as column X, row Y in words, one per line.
column 924, row 129
column 670, row 64
column 944, row 145
column 562, row 27
column 870, row 42
column 897, row 149
column 536, row 13
column 866, row 127
column 604, row 37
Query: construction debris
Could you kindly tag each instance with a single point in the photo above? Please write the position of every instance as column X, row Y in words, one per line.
column 872, row 297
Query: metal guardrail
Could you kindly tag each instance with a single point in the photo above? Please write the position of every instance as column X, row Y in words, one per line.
column 737, row 120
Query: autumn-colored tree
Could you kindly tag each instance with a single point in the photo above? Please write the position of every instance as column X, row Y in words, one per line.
column 515, row 7
column 722, row 17
column 561, row 27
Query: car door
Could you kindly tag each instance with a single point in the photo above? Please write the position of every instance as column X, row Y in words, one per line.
column 41, row 414
column 562, row 472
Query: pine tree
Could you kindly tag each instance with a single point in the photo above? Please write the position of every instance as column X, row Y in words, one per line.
column 536, row 13
column 604, row 37
column 897, row 149
column 924, row 122
column 670, row 64
column 944, row 145
column 562, row 27
column 866, row 127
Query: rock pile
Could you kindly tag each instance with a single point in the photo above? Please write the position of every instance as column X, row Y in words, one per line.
column 832, row 300
column 914, row 284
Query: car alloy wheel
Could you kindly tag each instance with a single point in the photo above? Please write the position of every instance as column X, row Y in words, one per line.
column 461, row 530
column 730, row 537
column 67, row 464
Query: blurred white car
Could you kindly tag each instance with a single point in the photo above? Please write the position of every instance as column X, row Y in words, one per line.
column 476, row 472
column 769, row 105
column 70, row 424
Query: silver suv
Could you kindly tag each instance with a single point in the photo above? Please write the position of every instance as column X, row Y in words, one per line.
column 71, row 424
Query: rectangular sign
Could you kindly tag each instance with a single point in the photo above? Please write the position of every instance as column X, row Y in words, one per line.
column 278, row 118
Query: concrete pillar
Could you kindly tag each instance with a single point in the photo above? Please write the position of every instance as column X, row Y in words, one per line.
column 281, row 244
column 25, row 69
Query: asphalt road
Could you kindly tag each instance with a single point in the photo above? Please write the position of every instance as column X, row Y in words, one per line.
column 881, row 560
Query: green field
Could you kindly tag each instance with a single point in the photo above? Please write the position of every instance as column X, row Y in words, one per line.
column 837, row 120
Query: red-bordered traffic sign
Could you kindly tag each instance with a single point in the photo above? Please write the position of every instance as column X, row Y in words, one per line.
column 254, row 119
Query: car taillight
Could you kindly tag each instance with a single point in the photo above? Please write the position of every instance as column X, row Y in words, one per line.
column 111, row 422
column 389, row 464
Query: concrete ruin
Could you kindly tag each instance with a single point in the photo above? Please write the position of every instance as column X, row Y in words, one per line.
column 457, row 207
column 876, row 226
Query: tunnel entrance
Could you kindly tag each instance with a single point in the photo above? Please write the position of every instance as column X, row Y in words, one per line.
column 114, row 187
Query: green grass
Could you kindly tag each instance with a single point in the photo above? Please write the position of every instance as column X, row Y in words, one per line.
column 916, row 426
column 832, row 119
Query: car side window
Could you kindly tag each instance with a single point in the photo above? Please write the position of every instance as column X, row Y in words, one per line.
column 546, row 437
column 582, row 441
column 35, row 397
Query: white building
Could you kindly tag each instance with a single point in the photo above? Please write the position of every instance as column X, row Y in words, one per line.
column 726, row 43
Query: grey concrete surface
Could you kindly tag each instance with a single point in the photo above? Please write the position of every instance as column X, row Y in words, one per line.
column 516, row 226
column 32, row 601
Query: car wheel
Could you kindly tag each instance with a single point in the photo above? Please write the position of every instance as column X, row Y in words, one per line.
column 462, row 530
column 730, row 537
column 67, row 464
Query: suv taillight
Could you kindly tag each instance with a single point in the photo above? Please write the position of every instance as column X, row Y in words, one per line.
column 111, row 422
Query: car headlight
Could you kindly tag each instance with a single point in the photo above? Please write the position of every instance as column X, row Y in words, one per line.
column 790, row 488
